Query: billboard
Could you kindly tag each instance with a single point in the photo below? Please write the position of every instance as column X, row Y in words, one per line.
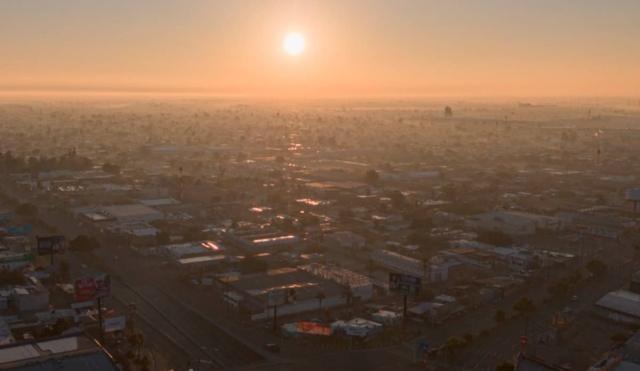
column 404, row 284
column 632, row 194
column 92, row 287
column 51, row 245
column 112, row 324
column 313, row 328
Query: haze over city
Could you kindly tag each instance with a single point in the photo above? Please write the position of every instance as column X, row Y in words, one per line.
column 319, row 185
column 357, row 47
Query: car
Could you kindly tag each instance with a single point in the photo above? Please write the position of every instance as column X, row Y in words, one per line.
column 83, row 266
column 574, row 298
column 273, row 348
column 567, row 310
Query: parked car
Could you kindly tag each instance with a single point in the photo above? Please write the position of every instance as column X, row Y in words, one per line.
column 574, row 298
column 567, row 310
column 271, row 347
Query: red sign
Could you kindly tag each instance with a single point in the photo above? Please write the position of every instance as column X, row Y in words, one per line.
column 92, row 287
column 523, row 340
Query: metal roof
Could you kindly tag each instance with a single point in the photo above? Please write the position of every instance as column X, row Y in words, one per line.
column 622, row 301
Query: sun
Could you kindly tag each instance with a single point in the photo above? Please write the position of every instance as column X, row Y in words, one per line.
column 294, row 44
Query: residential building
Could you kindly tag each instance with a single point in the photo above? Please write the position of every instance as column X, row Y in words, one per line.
column 344, row 240
column 514, row 222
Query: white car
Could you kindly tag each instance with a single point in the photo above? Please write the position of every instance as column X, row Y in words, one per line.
column 567, row 310
column 83, row 266
column 574, row 298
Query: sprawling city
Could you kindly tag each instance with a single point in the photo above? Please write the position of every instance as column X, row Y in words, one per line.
column 309, row 221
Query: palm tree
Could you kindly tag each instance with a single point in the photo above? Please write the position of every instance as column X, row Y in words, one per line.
column 320, row 296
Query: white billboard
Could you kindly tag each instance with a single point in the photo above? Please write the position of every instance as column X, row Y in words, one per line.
column 277, row 297
column 114, row 324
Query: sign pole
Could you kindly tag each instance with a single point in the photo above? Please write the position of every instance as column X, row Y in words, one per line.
column 275, row 318
column 404, row 313
column 101, row 329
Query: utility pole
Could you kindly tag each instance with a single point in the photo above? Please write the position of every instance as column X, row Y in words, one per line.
column 101, row 325
column 275, row 318
column 404, row 313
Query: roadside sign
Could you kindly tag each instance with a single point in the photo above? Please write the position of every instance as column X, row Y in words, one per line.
column 277, row 297
column 404, row 284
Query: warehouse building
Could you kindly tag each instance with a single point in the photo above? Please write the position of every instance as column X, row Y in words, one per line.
column 514, row 222
column 251, row 292
column 619, row 306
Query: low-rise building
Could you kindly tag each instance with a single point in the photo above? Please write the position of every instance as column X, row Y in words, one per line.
column 405, row 264
column 344, row 240
column 514, row 222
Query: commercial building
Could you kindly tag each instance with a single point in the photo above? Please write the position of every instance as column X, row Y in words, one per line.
column 359, row 285
column 32, row 296
column 74, row 352
column 621, row 358
column 619, row 306
column 514, row 222
column 344, row 240
column 260, row 240
column 192, row 249
column 405, row 264
column 122, row 214
column 251, row 292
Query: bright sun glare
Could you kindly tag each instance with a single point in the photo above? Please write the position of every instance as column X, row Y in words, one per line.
column 294, row 44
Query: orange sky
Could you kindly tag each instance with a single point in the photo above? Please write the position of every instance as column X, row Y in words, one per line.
column 354, row 47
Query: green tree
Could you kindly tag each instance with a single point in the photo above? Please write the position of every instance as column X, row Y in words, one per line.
column 596, row 267
column 499, row 316
column 468, row 337
column 523, row 305
column 558, row 289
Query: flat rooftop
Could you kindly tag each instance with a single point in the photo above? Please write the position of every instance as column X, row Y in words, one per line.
column 77, row 352
column 306, row 285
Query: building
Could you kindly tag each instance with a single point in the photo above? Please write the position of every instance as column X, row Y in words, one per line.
column 192, row 249
column 252, row 292
column 70, row 352
column 621, row 358
column 199, row 262
column 360, row 286
column 514, row 222
column 121, row 214
column 30, row 297
column 6, row 336
column 344, row 240
column 387, row 317
column 620, row 306
column 260, row 240
column 404, row 264
column 634, row 285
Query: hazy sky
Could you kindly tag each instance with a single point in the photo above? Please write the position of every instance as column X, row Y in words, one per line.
column 495, row 47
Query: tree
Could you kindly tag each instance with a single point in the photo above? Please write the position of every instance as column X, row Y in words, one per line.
column 499, row 316
column 523, row 305
column 453, row 344
column 397, row 199
column 506, row 366
column 111, row 168
column 448, row 112
column 142, row 363
column 372, row 176
column 328, row 311
column 136, row 340
column 27, row 209
column 320, row 296
column 596, row 267
column 65, row 269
